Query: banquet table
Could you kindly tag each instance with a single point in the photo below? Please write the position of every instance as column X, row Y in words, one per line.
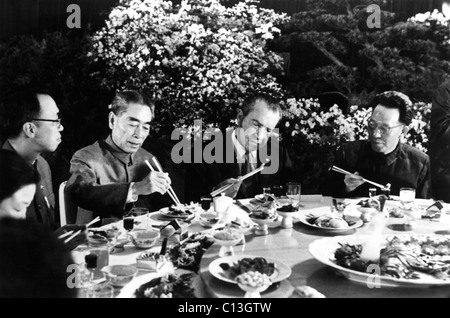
column 291, row 247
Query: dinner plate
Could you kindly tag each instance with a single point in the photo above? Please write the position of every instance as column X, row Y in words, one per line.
column 323, row 250
column 282, row 271
column 167, row 213
column 128, row 291
column 303, row 219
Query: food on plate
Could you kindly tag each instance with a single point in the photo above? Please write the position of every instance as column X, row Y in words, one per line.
column 332, row 220
column 169, row 286
column 254, row 279
column 257, row 264
column 306, row 292
column 188, row 253
column 403, row 257
column 263, row 214
column 370, row 203
column 183, row 209
column 433, row 212
column 227, row 234
column 109, row 233
column 396, row 212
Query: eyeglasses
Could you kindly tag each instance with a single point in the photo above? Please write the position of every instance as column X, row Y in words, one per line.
column 384, row 130
column 58, row 121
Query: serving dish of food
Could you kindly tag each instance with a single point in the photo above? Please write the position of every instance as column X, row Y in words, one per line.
column 185, row 211
column 407, row 260
column 331, row 222
column 228, row 268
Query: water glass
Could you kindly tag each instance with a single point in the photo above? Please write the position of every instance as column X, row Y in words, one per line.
column 294, row 191
column 100, row 247
column 407, row 196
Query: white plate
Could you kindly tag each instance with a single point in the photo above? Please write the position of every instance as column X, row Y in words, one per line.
column 302, row 218
column 282, row 271
column 166, row 212
column 323, row 250
column 128, row 290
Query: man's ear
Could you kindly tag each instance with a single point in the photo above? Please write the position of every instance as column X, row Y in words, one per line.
column 405, row 130
column 29, row 129
column 240, row 117
column 111, row 120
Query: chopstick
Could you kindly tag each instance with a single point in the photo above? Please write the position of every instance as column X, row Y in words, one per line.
column 93, row 221
column 337, row 169
column 248, row 175
column 76, row 233
column 171, row 193
column 72, row 236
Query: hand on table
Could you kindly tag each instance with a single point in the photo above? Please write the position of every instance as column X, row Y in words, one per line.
column 231, row 191
column 154, row 182
column 352, row 181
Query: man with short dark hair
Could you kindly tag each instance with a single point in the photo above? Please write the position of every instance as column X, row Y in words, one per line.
column 382, row 158
column 31, row 124
column 249, row 145
column 110, row 176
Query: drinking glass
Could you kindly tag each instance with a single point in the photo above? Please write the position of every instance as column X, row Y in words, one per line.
column 407, row 196
column 206, row 202
column 138, row 211
column 293, row 191
column 277, row 191
column 372, row 192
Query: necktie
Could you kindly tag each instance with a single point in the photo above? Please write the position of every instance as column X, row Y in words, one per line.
column 246, row 167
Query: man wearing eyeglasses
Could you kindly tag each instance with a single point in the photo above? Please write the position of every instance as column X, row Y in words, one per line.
column 110, row 176
column 31, row 124
column 383, row 158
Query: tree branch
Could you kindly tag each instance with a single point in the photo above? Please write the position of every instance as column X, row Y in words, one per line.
column 328, row 54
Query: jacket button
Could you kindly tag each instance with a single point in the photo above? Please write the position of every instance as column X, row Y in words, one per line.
column 39, row 206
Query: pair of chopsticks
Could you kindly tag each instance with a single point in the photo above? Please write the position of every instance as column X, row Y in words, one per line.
column 172, row 193
column 337, row 169
column 248, row 175
column 72, row 234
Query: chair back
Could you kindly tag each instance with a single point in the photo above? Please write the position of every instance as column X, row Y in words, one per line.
column 67, row 209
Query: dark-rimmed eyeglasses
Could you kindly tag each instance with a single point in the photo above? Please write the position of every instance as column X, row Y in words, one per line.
column 384, row 129
column 58, row 121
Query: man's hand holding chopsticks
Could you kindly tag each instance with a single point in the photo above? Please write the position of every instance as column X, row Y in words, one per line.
column 154, row 182
column 352, row 181
column 232, row 190
column 68, row 230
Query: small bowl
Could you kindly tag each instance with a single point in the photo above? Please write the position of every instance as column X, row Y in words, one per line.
column 119, row 275
column 144, row 238
column 208, row 219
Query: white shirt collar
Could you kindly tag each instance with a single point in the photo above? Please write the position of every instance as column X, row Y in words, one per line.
column 240, row 151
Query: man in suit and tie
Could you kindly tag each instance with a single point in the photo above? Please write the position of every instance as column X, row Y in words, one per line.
column 245, row 149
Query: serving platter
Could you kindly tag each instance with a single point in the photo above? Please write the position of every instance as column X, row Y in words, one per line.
column 323, row 251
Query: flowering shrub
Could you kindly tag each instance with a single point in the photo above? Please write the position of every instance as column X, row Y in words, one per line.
column 197, row 60
column 312, row 134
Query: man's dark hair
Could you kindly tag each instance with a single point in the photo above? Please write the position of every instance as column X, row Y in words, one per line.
column 250, row 102
column 15, row 173
column 19, row 108
column 33, row 261
column 123, row 99
column 394, row 100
